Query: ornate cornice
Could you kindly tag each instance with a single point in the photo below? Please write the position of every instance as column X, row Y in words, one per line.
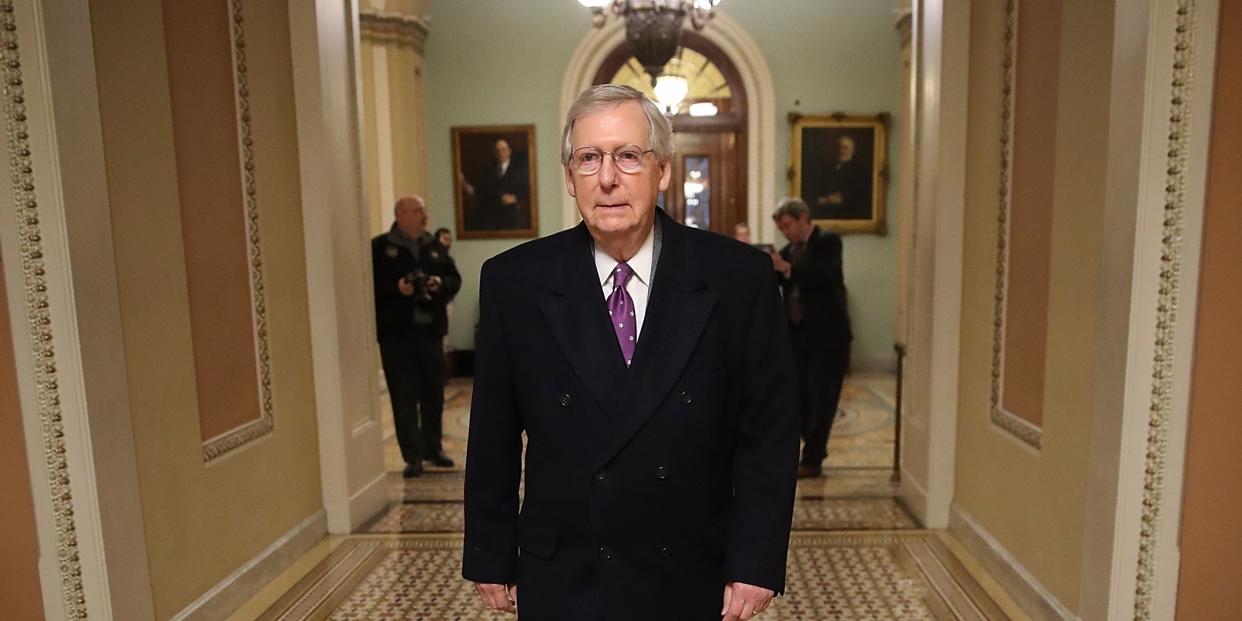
column 396, row 28
column 221, row 445
column 1014, row 424
column 38, row 313
column 1160, row 408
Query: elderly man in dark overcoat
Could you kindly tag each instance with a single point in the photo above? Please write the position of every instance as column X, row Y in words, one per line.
column 649, row 366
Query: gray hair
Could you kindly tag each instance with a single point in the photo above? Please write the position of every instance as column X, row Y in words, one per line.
column 604, row 96
column 791, row 206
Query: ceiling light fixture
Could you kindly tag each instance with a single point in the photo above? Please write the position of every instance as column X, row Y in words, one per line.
column 703, row 108
column 670, row 91
column 653, row 27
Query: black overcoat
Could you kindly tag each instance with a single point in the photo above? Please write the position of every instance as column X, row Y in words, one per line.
column 646, row 488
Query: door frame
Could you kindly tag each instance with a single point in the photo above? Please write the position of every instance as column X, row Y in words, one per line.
column 744, row 53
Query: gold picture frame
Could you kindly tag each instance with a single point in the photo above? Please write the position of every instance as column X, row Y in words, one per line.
column 494, row 201
column 838, row 164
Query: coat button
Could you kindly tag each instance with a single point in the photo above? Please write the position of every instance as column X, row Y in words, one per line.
column 601, row 475
column 566, row 400
column 664, row 552
column 605, row 554
column 661, row 473
column 686, row 397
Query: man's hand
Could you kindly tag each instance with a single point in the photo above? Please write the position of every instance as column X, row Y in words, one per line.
column 780, row 264
column 405, row 286
column 508, row 199
column 498, row 596
column 433, row 284
column 744, row 601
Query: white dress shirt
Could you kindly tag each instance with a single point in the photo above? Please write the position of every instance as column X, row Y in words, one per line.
column 639, row 285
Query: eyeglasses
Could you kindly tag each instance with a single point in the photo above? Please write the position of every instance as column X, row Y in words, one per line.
column 628, row 159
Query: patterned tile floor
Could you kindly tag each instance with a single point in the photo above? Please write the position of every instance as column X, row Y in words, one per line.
column 854, row 556
column 809, row 514
column 862, row 435
column 881, row 576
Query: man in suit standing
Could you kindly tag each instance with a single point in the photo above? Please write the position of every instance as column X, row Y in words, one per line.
column 814, row 294
column 414, row 278
column 645, row 361
column 502, row 196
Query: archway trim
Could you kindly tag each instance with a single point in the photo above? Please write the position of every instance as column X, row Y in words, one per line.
column 744, row 53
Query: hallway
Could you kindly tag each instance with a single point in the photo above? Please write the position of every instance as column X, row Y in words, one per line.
column 193, row 421
column 855, row 553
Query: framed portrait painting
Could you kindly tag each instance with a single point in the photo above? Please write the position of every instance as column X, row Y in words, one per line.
column 838, row 165
column 494, row 182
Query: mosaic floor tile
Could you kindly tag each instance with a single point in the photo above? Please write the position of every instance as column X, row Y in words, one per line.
column 862, row 435
column 832, row 577
column 809, row 514
column 850, row 514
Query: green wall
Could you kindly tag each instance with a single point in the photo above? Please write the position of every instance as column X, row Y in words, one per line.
column 497, row 62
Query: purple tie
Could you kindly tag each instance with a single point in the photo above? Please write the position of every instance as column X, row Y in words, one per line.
column 621, row 311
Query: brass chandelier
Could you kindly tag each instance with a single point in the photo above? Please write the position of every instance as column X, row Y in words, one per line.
column 653, row 27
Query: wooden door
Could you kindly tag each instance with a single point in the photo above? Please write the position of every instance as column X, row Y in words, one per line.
column 707, row 190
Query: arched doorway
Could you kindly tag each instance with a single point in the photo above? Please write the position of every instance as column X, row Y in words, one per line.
column 708, row 188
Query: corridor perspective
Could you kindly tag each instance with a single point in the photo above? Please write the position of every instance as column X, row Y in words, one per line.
column 247, row 245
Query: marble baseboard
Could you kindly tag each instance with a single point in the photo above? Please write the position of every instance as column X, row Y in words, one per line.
column 1023, row 587
column 232, row 592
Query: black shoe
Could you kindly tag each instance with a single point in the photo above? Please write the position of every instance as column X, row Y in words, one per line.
column 440, row 460
column 412, row 470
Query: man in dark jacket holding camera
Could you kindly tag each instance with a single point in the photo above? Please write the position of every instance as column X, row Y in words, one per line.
column 414, row 279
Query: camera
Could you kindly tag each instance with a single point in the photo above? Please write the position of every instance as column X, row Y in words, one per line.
column 419, row 280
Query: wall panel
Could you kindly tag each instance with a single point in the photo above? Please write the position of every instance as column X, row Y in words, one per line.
column 1031, row 501
column 204, row 520
column 1211, row 555
column 1032, row 181
column 199, row 45
column 21, row 594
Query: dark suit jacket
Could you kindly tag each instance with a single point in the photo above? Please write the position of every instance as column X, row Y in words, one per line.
column 647, row 488
column 394, row 313
column 821, row 285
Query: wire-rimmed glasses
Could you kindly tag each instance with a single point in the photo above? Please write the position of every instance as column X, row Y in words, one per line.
column 628, row 159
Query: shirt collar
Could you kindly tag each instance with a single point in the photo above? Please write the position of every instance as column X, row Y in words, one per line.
column 641, row 262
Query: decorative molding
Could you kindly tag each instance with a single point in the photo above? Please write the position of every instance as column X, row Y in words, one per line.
column 752, row 65
column 397, row 28
column 1014, row 424
column 1032, row 596
column 1160, row 409
column 219, row 446
column 232, row 592
column 38, row 314
column 904, row 24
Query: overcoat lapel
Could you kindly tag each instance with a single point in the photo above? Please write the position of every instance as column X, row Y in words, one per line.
column 577, row 316
column 677, row 312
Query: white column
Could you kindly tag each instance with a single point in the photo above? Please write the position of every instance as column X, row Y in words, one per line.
column 324, row 36
column 941, row 61
column 383, row 127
